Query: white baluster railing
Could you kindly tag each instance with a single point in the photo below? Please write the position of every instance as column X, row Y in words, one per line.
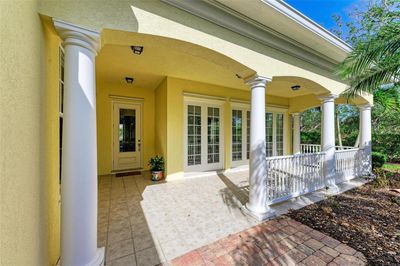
column 348, row 164
column 310, row 148
column 294, row 175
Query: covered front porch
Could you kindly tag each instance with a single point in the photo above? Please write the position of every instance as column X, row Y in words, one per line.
column 196, row 89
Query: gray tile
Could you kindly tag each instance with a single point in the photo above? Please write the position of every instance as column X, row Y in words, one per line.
column 143, row 241
column 149, row 257
column 129, row 260
column 119, row 249
column 117, row 235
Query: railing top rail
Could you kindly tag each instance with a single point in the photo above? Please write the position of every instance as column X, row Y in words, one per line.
column 295, row 156
column 347, row 150
column 305, row 144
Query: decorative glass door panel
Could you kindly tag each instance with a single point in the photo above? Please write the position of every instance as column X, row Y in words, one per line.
column 126, row 136
column 203, row 137
column 127, row 130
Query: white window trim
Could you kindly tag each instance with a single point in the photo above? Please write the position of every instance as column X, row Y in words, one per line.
column 204, row 102
column 244, row 106
column 244, row 109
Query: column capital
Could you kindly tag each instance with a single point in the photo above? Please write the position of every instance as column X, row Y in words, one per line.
column 76, row 35
column 257, row 81
column 363, row 107
column 330, row 97
column 295, row 114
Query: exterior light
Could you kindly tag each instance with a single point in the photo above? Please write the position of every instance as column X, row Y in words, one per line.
column 295, row 87
column 137, row 49
column 129, row 80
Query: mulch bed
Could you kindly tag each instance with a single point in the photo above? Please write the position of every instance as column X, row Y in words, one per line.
column 366, row 218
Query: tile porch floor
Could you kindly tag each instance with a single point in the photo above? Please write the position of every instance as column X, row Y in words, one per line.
column 141, row 222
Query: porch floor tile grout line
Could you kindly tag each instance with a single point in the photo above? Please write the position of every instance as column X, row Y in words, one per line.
column 130, row 225
column 108, row 220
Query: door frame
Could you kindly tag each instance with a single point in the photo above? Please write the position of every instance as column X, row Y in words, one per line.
column 208, row 101
column 131, row 101
column 245, row 106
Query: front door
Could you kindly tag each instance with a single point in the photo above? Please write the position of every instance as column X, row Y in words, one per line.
column 127, row 142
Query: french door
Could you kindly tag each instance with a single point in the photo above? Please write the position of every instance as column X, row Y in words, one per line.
column 127, row 141
column 274, row 135
column 203, row 136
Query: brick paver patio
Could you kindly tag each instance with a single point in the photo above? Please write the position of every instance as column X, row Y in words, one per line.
column 281, row 241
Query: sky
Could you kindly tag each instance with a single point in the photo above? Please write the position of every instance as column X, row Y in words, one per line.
column 321, row 11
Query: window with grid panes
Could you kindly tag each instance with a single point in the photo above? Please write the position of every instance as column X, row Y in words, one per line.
column 279, row 134
column 269, row 136
column 213, row 134
column 194, row 135
column 248, row 135
column 237, row 124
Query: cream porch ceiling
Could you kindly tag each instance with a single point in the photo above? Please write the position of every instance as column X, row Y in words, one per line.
column 115, row 62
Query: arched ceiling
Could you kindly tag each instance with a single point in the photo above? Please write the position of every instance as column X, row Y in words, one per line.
column 164, row 56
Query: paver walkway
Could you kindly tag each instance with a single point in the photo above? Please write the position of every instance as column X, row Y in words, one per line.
column 281, row 241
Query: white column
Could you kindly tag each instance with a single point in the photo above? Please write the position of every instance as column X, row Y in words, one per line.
column 257, row 206
column 296, row 133
column 365, row 136
column 328, row 140
column 79, row 155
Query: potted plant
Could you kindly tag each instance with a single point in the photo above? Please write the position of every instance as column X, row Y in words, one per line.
column 157, row 168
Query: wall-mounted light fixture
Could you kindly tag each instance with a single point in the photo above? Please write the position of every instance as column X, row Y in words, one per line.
column 129, row 80
column 137, row 49
column 295, row 87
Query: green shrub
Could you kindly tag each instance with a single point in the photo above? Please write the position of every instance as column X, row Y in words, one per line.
column 382, row 180
column 156, row 163
column 378, row 159
column 387, row 143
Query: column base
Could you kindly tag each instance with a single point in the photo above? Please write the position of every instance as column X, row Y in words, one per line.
column 269, row 213
column 99, row 259
column 332, row 189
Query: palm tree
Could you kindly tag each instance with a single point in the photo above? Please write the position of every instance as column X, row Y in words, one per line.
column 374, row 64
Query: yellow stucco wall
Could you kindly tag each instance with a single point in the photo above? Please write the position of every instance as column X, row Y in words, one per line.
column 50, row 140
column 104, row 122
column 160, row 128
column 29, row 218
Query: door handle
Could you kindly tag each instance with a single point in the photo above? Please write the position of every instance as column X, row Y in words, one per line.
column 139, row 145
